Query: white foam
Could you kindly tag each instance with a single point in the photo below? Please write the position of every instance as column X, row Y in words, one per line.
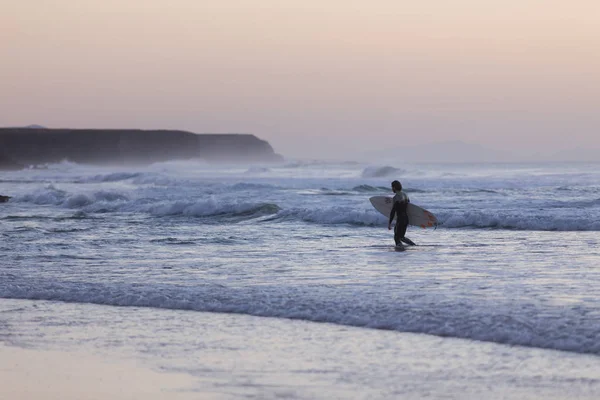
column 50, row 195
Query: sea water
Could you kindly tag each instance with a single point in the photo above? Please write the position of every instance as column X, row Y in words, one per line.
column 174, row 262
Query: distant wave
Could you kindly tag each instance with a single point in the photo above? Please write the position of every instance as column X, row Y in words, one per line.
column 331, row 192
column 110, row 201
column 500, row 322
column 331, row 216
column 325, row 192
column 382, row 172
column 360, row 189
column 486, row 191
column 368, row 189
column 477, row 219
column 258, row 170
column 210, row 208
column 52, row 196
column 113, row 177
column 307, row 163
column 253, row 186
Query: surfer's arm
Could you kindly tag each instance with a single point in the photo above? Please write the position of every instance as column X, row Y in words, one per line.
column 392, row 214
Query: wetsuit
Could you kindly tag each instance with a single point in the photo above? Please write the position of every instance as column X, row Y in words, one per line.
column 401, row 201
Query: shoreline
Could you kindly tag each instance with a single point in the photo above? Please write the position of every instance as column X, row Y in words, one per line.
column 93, row 352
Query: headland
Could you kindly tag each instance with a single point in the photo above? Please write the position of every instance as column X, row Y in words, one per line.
column 22, row 147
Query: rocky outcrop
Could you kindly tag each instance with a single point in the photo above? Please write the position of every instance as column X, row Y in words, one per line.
column 4, row 199
column 32, row 146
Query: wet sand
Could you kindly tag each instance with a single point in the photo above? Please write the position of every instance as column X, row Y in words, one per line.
column 27, row 374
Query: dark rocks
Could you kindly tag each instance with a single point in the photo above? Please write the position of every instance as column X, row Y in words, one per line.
column 4, row 199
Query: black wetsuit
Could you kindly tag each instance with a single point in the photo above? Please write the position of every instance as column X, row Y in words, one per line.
column 401, row 201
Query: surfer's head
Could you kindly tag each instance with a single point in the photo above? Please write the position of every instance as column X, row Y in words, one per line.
column 396, row 186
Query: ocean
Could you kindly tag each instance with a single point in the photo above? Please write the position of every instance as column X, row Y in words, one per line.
column 282, row 281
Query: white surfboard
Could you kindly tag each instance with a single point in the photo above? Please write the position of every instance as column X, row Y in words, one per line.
column 417, row 216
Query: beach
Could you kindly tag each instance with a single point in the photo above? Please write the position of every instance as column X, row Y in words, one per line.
column 60, row 375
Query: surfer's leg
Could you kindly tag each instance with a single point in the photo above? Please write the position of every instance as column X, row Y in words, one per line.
column 402, row 231
column 399, row 232
column 397, row 235
column 408, row 241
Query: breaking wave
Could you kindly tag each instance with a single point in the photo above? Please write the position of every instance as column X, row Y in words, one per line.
column 111, row 201
column 53, row 196
column 114, row 177
column 210, row 208
column 381, row 172
column 331, row 216
column 489, row 220
column 508, row 322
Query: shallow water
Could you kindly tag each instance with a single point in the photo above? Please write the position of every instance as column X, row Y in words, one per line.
column 515, row 259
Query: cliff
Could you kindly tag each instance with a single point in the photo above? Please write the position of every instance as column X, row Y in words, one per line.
column 27, row 146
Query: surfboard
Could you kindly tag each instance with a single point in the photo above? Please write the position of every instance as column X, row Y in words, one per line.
column 417, row 216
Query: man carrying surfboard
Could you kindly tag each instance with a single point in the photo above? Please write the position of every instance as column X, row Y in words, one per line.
column 400, row 201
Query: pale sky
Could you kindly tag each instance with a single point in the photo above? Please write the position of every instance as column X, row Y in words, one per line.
column 314, row 78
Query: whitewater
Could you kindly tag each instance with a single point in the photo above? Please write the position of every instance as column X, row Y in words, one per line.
column 512, row 272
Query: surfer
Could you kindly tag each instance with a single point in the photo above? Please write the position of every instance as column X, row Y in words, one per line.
column 401, row 201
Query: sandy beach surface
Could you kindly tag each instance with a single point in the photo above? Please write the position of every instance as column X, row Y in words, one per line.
column 27, row 374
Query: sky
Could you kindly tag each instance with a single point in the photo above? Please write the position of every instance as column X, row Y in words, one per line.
column 316, row 78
